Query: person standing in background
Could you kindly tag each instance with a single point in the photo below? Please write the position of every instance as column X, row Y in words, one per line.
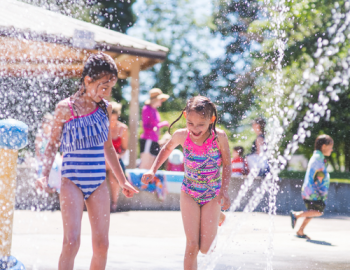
column 149, row 147
column 259, row 129
column 255, row 159
column 119, row 133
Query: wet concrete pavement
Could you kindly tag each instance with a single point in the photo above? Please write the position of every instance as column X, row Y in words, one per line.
column 155, row 240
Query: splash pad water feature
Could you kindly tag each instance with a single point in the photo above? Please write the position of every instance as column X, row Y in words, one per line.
column 279, row 119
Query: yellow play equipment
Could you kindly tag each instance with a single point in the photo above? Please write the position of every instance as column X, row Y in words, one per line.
column 13, row 136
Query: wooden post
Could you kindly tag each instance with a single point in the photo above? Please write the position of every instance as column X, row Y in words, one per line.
column 8, row 173
column 134, row 111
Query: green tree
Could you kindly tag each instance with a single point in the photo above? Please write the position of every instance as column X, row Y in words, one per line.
column 316, row 34
column 116, row 15
column 183, row 26
column 232, row 77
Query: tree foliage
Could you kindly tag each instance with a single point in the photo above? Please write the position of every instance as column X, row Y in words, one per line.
column 232, row 77
column 183, row 26
column 310, row 26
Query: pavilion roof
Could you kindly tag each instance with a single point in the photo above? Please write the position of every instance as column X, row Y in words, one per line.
column 28, row 23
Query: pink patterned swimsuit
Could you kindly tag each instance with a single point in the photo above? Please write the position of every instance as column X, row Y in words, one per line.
column 202, row 170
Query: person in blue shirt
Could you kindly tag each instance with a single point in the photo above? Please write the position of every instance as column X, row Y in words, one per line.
column 316, row 184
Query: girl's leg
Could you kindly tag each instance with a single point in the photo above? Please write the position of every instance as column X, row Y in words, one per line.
column 309, row 214
column 72, row 204
column 98, row 210
column 222, row 218
column 190, row 212
column 115, row 188
column 303, row 225
column 210, row 214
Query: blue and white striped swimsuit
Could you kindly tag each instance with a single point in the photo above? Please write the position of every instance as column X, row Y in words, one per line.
column 82, row 144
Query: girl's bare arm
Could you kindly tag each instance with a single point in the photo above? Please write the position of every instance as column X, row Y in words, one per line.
column 178, row 138
column 226, row 167
column 113, row 161
column 62, row 114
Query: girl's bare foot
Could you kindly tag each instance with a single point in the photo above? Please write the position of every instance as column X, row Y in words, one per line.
column 222, row 218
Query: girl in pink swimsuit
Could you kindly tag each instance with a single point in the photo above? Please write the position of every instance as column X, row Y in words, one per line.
column 204, row 189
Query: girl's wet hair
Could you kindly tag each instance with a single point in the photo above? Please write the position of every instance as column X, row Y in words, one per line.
column 321, row 140
column 97, row 66
column 203, row 106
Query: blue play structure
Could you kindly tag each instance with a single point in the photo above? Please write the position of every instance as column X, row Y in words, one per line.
column 171, row 180
column 13, row 134
column 11, row 263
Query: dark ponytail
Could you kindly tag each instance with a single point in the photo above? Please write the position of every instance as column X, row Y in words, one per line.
column 182, row 112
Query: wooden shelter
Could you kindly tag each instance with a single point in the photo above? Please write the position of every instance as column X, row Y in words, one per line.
column 39, row 42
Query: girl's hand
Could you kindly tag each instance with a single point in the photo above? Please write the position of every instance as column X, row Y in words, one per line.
column 128, row 190
column 42, row 184
column 224, row 200
column 147, row 177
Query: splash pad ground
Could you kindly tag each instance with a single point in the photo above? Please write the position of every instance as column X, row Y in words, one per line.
column 155, row 240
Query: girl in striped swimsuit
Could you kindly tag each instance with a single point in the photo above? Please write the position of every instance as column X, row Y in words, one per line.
column 81, row 125
column 204, row 190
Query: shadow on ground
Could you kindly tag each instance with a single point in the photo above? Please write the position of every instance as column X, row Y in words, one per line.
column 318, row 242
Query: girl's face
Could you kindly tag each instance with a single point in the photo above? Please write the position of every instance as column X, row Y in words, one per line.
column 114, row 120
column 327, row 149
column 197, row 124
column 101, row 88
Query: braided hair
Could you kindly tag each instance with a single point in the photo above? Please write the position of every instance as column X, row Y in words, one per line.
column 97, row 66
column 203, row 106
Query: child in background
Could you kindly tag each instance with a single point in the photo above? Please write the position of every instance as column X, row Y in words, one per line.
column 238, row 166
column 203, row 192
column 41, row 141
column 81, row 125
column 316, row 184
column 120, row 136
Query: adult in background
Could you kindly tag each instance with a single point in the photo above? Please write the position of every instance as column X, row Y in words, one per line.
column 119, row 133
column 254, row 159
column 259, row 129
column 149, row 146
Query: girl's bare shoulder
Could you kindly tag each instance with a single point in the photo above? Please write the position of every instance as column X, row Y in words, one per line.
column 221, row 133
column 182, row 132
column 180, row 135
column 62, row 110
